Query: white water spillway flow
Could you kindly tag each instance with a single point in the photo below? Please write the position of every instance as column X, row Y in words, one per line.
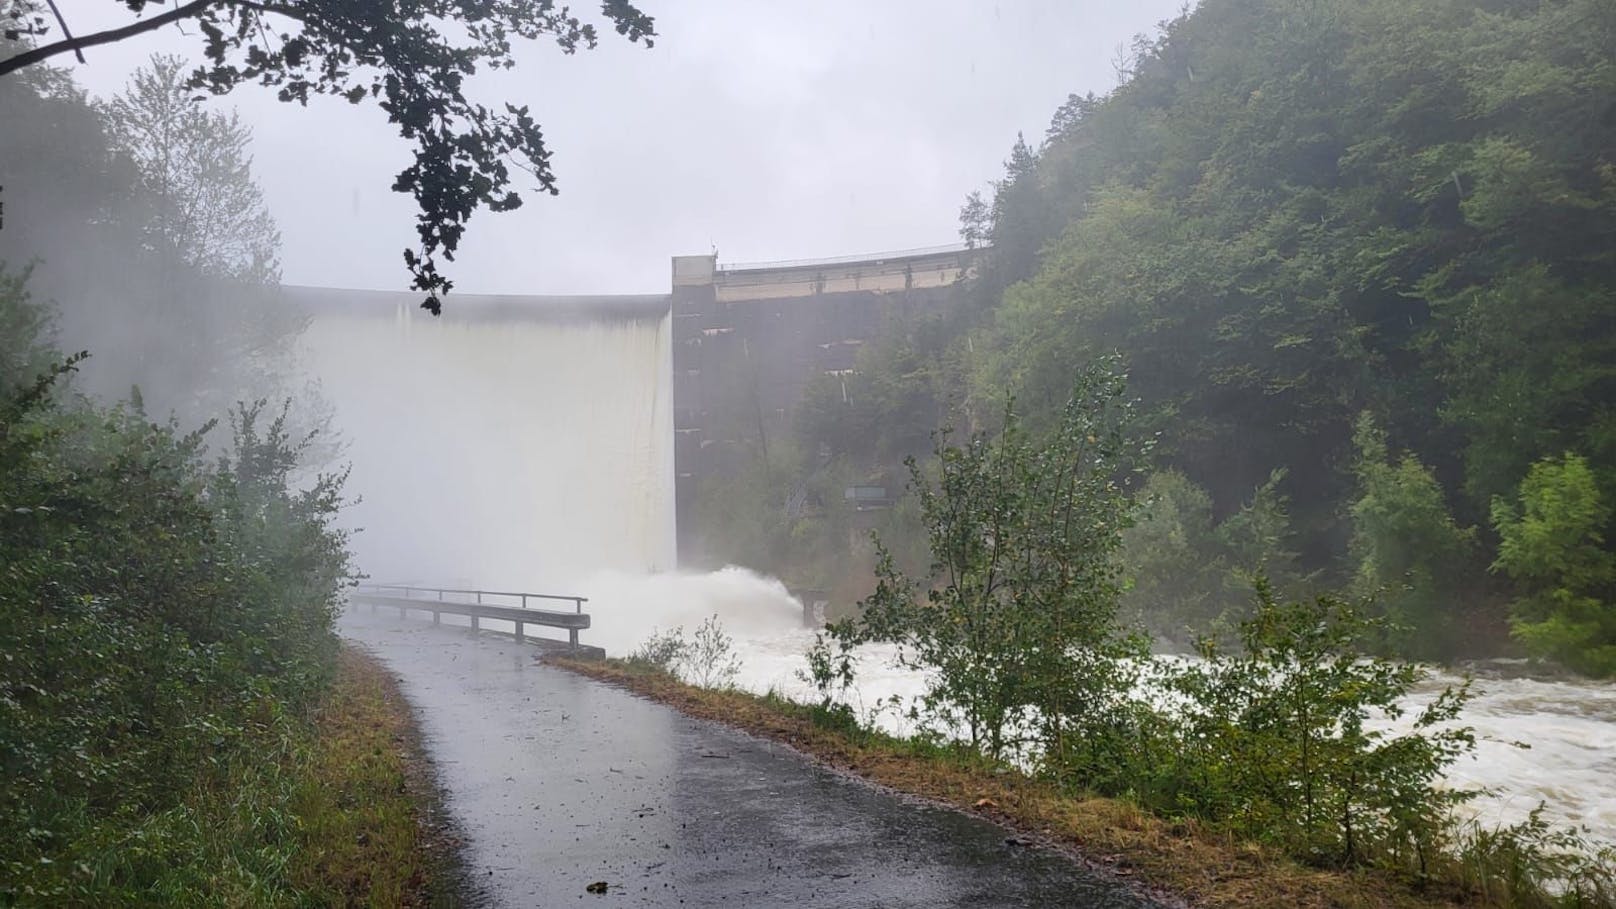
column 515, row 453
column 521, row 443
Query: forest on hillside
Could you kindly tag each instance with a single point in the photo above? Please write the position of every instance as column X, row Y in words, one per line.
column 1358, row 262
column 171, row 566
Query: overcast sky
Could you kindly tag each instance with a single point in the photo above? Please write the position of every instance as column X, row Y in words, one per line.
column 766, row 130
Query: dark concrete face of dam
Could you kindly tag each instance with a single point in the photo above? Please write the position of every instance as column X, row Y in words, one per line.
column 747, row 341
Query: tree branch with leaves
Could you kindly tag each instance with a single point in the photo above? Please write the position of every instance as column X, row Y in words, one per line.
column 397, row 54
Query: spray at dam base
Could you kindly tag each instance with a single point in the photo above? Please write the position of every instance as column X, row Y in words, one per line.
column 528, row 444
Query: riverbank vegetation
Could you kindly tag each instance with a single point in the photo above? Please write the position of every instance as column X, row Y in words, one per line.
column 1173, row 854
column 1290, row 732
column 177, row 726
column 1358, row 262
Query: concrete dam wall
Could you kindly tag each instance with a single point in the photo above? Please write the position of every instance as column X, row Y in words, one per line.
column 518, row 442
column 576, row 429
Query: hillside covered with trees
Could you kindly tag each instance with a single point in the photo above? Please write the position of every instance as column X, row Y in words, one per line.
column 177, row 724
column 1358, row 261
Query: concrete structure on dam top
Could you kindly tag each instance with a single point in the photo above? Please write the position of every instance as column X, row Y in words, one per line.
column 746, row 340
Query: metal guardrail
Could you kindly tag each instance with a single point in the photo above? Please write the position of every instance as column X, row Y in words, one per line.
column 440, row 600
column 409, row 590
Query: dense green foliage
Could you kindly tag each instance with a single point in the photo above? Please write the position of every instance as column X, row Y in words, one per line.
column 1289, row 215
column 162, row 615
column 1276, row 740
column 1018, row 629
column 1188, row 573
column 1553, row 545
column 1297, row 738
column 1408, row 550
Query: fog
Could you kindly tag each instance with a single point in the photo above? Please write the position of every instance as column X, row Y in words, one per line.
column 502, row 455
column 1312, row 245
column 770, row 131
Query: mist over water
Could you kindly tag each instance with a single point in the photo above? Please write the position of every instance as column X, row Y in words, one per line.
column 531, row 456
column 627, row 608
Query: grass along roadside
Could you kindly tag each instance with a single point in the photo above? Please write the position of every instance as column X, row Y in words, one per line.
column 338, row 808
column 373, row 828
column 1183, row 859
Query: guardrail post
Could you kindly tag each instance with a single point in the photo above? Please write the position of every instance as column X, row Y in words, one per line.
column 572, row 637
column 474, row 623
column 518, row 632
column 437, row 617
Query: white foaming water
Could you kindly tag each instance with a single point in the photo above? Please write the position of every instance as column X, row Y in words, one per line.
column 1570, row 728
column 538, row 456
column 1568, row 762
column 626, row 608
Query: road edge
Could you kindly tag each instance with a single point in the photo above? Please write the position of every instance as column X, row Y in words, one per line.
column 1174, row 863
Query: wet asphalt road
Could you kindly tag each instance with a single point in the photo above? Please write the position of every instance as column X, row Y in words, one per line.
column 558, row 781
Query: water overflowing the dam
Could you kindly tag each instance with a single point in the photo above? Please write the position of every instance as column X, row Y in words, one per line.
column 515, row 443
column 521, row 443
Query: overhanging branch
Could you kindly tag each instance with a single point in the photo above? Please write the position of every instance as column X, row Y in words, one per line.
column 75, row 44
column 66, row 32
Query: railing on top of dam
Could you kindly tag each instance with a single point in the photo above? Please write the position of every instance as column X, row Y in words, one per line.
column 952, row 248
column 439, row 600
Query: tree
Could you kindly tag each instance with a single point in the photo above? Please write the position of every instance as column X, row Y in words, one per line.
column 1409, row 551
column 1553, row 546
column 1287, row 738
column 1172, row 564
column 146, row 231
column 1071, row 116
column 1019, row 216
column 1016, row 630
column 1189, row 576
column 410, row 57
column 201, row 213
column 975, row 223
column 196, row 170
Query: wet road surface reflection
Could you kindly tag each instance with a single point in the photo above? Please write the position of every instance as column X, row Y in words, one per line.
column 559, row 781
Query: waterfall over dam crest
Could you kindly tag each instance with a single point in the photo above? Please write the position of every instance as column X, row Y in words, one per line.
column 512, row 442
